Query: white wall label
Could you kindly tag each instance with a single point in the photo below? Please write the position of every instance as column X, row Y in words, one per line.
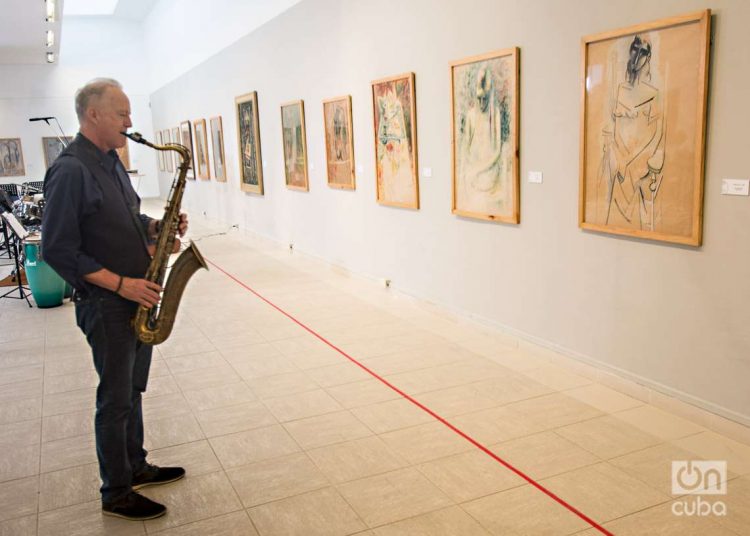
column 427, row 172
column 535, row 177
column 735, row 186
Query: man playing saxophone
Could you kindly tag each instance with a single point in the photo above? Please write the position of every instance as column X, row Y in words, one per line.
column 95, row 237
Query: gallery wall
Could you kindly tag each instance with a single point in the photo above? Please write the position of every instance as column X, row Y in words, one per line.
column 671, row 317
column 92, row 47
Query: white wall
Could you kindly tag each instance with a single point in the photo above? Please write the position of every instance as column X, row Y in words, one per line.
column 672, row 317
column 93, row 47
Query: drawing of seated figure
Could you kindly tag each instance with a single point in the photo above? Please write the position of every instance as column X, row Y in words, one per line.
column 395, row 178
column 634, row 148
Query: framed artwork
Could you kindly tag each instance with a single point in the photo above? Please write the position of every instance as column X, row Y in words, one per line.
column 217, row 145
column 643, row 122
column 484, row 139
column 175, row 154
column 124, row 154
column 248, row 138
column 168, row 158
column 295, row 145
column 201, row 149
column 11, row 158
column 186, row 135
column 160, row 154
column 395, row 113
column 337, row 122
column 52, row 147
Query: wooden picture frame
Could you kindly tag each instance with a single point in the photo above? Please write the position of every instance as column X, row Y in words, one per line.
column 337, row 125
column 11, row 158
column 202, row 163
column 186, row 137
column 175, row 155
column 294, row 144
column 217, row 147
column 168, row 158
column 160, row 154
column 52, row 147
column 395, row 125
column 248, row 143
column 484, row 136
column 644, row 93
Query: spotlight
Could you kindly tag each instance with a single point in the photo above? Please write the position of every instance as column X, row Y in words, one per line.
column 50, row 38
column 50, row 10
column 50, row 57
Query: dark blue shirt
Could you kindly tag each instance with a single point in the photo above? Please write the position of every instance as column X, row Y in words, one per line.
column 73, row 197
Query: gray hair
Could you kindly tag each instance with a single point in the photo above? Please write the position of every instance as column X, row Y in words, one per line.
column 92, row 90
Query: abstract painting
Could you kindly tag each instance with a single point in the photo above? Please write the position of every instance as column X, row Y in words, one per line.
column 248, row 138
column 337, row 119
column 395, row 117
column 485, row 114
column 217, row 145
column 644, row 95
column 295, row 145
column 201, row 149
column 52, row 147
column 11, row 158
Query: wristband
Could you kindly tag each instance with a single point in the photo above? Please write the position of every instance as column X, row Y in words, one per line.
column 119, row 285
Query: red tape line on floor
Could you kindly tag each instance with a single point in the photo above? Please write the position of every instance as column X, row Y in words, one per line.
column 424, row 408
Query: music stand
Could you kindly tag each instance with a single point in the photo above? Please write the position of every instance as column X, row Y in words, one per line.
column 19, row 233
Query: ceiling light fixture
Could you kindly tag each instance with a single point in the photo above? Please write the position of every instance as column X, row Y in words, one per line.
column 50, row 38
column 50, row 10
column 50, row 57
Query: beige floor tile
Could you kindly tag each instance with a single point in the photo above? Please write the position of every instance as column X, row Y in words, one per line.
column 523, row 510
column 193, row 499
column 410, row 360
column 552, row 411
column 326, row 429
column 322, row 512
column 19, row 497
column 494, row 425
column 284, row 384
column 603, row 398
column 181, row 346
column 604, row 492
column 362, row 393
column 607, row 437
column 197, row 458
column 219, row 397
column 21, row 390
column 543, row 455
column 18, row 461
column 737, row 502
column 21, row 526
column 188, row 363
column 158, row 368
column 302, row 405
column 69, row 402
column 360, row 458
column 451, row 521
column 71, row 382
column 21, row 433
column 275, row 479
column 234, row 340
column 658, row 423
column 164, row 407
column 230, row 419
column 661, row 521
column 317, row 358
column 20, row 410
column 67, row 425
column 426, row 442
column 234, row 524
column 393, row 496
column 557, row 378
column 68, row 365
column 207, row 377
column 160, row 386
column 235, row 450
column 13, row 375
column 470, row 475
column 391, row 415
column 86, row 519
column 712, row 446
column 171, row 431
column 68, row 452
column 70, row 486
column 338, row 374
column 519, row 360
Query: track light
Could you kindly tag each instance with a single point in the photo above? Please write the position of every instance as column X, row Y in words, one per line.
column 50, row 38
column 50, row 10
column 50, row 57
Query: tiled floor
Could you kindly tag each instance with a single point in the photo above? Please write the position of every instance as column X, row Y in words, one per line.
column 283, row 435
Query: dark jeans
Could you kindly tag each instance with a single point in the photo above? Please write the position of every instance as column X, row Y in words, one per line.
column 122, row 363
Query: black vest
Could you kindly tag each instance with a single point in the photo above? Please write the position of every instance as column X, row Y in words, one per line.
column 113, row 234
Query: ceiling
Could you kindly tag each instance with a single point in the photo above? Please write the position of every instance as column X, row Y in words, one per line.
column 23, row 25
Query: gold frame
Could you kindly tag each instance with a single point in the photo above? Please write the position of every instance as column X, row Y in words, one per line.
column 250, row 188
column 176, row 139
column 352, row 184
column 202, row 141
column 703, row 20
column 220, row 129
column 22, row 168
column 191, row 169
column 160, row 154
column 413, row 113
column 168, row 160
column 47, row 163
column 301, row 104
column 513, row 53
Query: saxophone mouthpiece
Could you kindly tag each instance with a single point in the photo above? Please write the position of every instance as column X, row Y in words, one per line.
column 135, row 136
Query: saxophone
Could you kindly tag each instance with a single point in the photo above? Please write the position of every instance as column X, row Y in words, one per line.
column 153, row 326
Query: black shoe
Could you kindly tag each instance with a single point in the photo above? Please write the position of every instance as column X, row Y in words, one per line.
column 134, row 507
column 152, row 475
